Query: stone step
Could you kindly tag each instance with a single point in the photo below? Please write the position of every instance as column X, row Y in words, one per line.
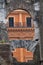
column 5, row 52
column 4, row 47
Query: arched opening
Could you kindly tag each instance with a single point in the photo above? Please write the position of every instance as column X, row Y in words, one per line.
column 20, row 21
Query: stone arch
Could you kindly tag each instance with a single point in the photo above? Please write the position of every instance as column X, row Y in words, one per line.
column 20, row 4
column 28, row 11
